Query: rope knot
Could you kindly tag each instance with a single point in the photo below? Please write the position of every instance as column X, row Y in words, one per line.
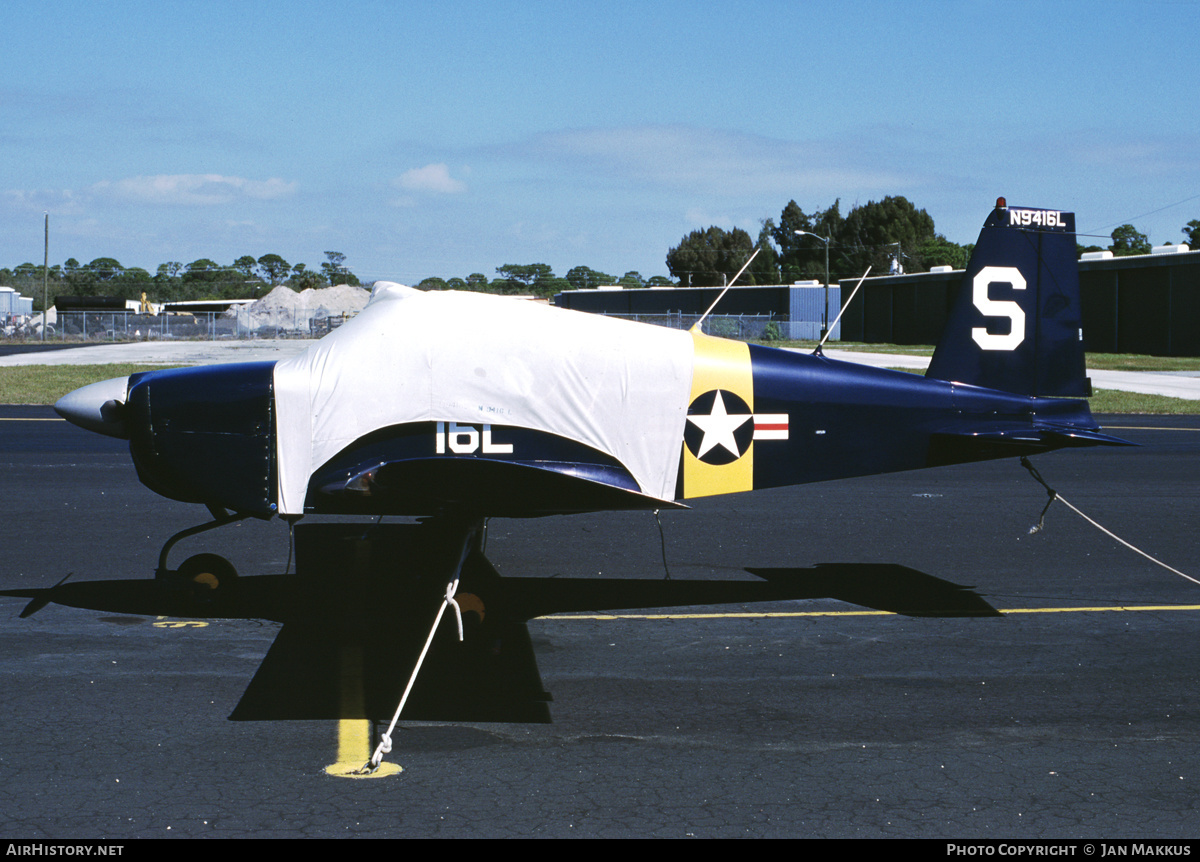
column 1054, row 496
column 451, row 589
column 1050, row 492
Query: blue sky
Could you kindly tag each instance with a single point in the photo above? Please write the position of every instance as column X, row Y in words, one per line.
column 445, row 138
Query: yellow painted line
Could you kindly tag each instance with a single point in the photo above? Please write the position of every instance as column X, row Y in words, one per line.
column 727, row 616
column 354, row 728
column 354, row 733
column 1101, row 609
column 779, row 615
column 354, row 750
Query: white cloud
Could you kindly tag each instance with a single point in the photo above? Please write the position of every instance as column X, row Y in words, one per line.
column 431, row 178
column 58, row 202
column 192, row 189
column 717, row 161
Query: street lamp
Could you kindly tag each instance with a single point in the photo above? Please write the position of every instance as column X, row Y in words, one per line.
column 824, row 239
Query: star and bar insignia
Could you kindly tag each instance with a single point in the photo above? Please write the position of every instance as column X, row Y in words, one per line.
column 721, row 427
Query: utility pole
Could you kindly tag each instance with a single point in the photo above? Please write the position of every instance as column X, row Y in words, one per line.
column 824, row 239
column 46, row 279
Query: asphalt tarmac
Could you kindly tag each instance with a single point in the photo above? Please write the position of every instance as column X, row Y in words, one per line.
column 908, row 661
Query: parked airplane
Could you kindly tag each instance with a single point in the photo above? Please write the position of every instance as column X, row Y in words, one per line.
column 465, row 406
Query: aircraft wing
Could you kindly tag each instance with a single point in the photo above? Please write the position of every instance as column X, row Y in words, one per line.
column 421, row 467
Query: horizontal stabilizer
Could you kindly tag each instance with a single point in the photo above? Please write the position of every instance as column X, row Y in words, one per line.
column 1009, row 439
column 1081, row 437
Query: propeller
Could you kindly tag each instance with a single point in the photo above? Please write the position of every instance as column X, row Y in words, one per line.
column 42, row 598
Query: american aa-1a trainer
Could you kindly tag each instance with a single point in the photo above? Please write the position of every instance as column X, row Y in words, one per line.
column 462, row 407
column 459, row 407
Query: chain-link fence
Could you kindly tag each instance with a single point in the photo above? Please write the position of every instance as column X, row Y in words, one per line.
column 742, row 327
column 297, row 323
column 209, row 325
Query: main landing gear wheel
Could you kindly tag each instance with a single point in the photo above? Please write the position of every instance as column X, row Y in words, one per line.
column 207, row 579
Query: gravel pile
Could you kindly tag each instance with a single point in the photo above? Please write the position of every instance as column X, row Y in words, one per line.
column 285, row 309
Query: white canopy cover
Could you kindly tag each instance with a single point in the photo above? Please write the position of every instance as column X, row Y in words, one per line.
column 413, row 356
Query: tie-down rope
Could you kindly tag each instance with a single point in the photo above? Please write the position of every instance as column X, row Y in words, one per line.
column 385, row 744
column 1054, row 495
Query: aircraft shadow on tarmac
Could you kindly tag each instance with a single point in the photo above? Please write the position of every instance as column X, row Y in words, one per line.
column 353, row 625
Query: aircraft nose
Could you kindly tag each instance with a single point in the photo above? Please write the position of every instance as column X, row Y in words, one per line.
column 98, row 407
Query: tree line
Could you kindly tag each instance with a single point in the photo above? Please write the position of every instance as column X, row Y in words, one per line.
column 713, row 255
column 888, row 235
column 538, row 279
column 246, row 278
column 1127, row 240
column 891, row 235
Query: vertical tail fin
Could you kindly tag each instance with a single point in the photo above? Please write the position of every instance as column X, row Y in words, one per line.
column 1015, row 325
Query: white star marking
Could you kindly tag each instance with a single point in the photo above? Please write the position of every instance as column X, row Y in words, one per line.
column 719, row 427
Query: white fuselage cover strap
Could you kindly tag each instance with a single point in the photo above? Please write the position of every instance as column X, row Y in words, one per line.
column 449, row 356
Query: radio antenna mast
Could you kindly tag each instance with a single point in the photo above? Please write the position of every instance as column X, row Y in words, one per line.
column 696, row 325
column 845, row 305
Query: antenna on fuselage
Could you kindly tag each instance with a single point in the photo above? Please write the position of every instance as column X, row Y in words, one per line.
column 696, row 325
column 845, row 305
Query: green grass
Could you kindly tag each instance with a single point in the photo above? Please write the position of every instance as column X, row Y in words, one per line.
column 1095, row 361
column 805, row 344
column 1116, row 401
column 45, row 384
column 1137, row 362
column 1103, row 401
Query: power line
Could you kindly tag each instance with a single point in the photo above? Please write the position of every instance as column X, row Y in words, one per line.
column 1135, row 218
